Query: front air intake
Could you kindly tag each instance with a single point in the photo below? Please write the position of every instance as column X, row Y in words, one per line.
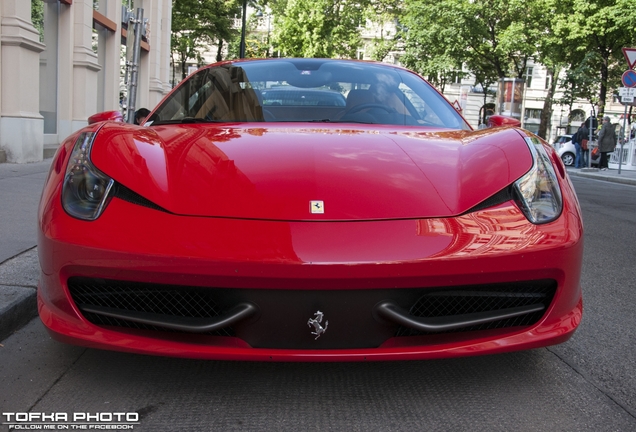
column 107, row 302
column 455, row 303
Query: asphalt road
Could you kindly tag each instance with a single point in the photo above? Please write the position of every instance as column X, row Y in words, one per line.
column 585, row 384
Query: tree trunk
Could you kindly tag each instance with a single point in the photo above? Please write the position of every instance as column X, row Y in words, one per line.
column 604, row 78
column 184, row 66
column 546, row 113
column 219, row 51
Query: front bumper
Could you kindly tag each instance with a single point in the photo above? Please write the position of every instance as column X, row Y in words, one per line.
column 291, row 270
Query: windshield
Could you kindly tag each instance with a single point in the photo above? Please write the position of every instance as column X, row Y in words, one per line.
column 307, row 90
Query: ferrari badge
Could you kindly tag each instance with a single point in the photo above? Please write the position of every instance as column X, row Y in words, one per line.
column 316, row 206
column 316, row 324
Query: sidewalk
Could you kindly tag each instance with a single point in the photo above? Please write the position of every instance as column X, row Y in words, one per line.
column 611, row 175
column 20, row 188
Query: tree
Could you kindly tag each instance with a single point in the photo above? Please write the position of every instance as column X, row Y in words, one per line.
column 200, row 23
column 492, row 38
column 317, row 28
column 551, row 53
column 381, row 12
column 37, row 16
column 257, row 43
column 596, row 31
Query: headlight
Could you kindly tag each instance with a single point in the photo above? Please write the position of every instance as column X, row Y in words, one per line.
column 538, row 190
column 86, row 189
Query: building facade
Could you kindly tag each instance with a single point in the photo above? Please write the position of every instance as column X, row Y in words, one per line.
column 57, row 72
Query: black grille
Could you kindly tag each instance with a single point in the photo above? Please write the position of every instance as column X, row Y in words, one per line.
column 169, row 300
column 460, row 301
column 282, row 322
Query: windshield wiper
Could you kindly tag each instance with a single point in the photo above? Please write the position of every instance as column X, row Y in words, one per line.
column 200, row 120
column 336, row 121
column 187, row 120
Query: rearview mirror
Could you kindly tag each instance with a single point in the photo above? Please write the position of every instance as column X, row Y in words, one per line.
column 499, row 120
column 106, row 115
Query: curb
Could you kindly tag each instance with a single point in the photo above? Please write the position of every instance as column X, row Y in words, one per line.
column 596, row 175
column 18, row 291
column 18, row 306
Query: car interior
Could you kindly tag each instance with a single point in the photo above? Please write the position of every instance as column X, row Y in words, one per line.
column 306, row 92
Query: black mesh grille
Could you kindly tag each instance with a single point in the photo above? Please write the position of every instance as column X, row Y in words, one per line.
column 460, row 301
column 280, row 307
column 166, row 300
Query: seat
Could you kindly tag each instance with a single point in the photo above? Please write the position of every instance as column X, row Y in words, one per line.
column 359, row 97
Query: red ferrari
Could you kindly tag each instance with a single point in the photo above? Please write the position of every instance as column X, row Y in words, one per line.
column 308, row 210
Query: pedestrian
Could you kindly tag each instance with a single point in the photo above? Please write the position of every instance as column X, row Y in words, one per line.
column 580, row 139
column 140, row 115
column 577, row 149
column 606, row 142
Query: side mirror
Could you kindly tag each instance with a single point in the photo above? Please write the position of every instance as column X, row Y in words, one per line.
column 106, row 115
column 499, row 120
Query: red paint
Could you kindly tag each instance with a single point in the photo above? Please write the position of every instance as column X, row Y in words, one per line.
column 373, row 172
column 499, row 120
column 237, row 198
column 104, row 116
column 490, row 246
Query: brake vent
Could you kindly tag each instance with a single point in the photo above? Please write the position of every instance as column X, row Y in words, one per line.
column 504, row 195
column 122, row 192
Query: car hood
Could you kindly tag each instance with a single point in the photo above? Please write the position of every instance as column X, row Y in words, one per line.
column 362, row 173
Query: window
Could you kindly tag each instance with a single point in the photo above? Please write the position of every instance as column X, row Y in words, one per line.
column 456, row 77
column 528, row 76
column 532, row 114
column 577, row 116
column 547, row 82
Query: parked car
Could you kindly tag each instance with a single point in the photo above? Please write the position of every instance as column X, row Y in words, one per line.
column 384, row 229
column 567, row 151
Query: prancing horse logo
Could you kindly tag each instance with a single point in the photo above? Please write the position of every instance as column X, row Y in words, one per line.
column 315, row 323
column 317, row 207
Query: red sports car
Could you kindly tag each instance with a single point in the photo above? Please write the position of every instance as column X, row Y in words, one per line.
column 308, row 210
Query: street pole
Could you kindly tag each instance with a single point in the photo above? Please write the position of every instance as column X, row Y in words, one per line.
column 134, row 76
column 620, row 156
column 242, row 49
column 589, row 142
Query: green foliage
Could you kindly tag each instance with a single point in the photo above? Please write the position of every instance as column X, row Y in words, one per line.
column 581, row 81
column 198, row 23
column 441, row 39
column 257, row 43
column 492, row 38
column 37, row 16
column 594, row 32
column 317, row 28
column 381, row 12
column 381, row 47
